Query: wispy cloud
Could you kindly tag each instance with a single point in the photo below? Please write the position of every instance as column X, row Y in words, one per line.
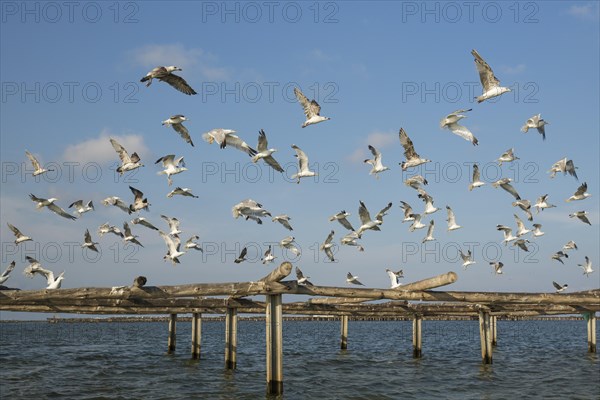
column 99, row 149
column 590, row 11
column 510, row 70
column 379, row 140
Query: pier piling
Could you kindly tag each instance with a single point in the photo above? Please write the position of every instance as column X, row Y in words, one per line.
column 231, row 338
column 591, row 332
column 417, row 320
column 196, row 335
column 485, row 336
column 172, row 333
column 274, row 345
column 344, row 329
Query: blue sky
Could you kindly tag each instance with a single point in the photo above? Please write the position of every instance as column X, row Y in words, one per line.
column 70, row 81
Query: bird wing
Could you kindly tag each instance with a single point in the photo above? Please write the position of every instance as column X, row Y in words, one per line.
column 584, row 219
column 123, row 155
column 171, row 245
column 87, row 237
column 363, row 213
column 570, row 168
column 475, row 173
column 383, row 212
column 409, row 148
column 299, row 274
column 556, row 285
column 78, row 204
column 510, row 189
column 311, row 108
column 137, row 194
column 60, row 211
column 178, row 83
column 329, row 237
column 183, row 132
column 273, row 163
column 345, row 223
column 393, row 277
column 430, row 229
column 235, row 141
column 451, row 218
column 581, row 190
column 34, row 161
column 302, row 158
column 285, row 223
column 486, row 75
column 520, row 224
column 14, row 229
column 9, row 269
column 463, row 132
column 262, row 141
column 126, row 229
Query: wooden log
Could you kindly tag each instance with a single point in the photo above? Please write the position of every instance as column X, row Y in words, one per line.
column 430, row 283
column 344, row 331
column 172, row 333
column 485, row 337
column 274, row 341
column 231, row 338
column 279, row 273
column 417, row 336
column 494, row 329
column 196, row 335
column 337, row 300
column 591, row 332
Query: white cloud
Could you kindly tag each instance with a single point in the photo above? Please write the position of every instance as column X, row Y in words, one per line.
column 100, row 150
column 588, row 11
column 520, row 68
column 379, row 140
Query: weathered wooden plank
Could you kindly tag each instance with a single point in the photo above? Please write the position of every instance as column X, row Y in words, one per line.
column 430, row 283
column 278, row 273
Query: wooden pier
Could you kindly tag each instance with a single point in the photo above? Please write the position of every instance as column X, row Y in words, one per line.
column 232, row 299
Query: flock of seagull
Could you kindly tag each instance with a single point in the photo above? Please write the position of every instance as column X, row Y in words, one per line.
column 250, row 209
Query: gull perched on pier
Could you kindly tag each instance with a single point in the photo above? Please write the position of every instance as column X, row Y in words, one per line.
column 582, row 216
column 508, row 236
column 283, row 219
column 173, row 243
column 450, row 122
column 128, row 236
column 428, row 200
column 268, row 257
column 497, row 265
column 139, row 202
column 365, row 219
column 341, row 217
column 301, row 279
column 507, row 156
column 491, row 84
column 171, row 165
column 408, row 211
column 536, row 122
column 587, row 267
column 580, row 194
column 128, row 163
column 353, row 279
column 242, row 256
column 265, row 153
column 350, row 239
column 376, row 165
column 19, row 237
column 182, row 192
column 522, row 243
column 143, row 221
column 537, row 231
column 176, row 122
column 173, row 225
column 476, row 178
column 542, row 203
column 524, row 205
column 226, row 137
column 412, row 158
column 417, row 224
column 49, row 204
column 521, row 230
column 88, row 242
column 107, row 228
column 81, row 208
column 165, row 74
column 565, row 166
column 570, row 245
column 560, row 288
column 303, row 169
column 312, row 109
column 452, row 225
column 395, row 277
column 504, row 183
column 327, row 245
column 558, row 256
column 249, row 209
column 191, row 244
column 35, row 267
column 38, row 169
column 6, row 274
column 117, row 202
column 416, row 181
column 429, row 236
column 289, row 243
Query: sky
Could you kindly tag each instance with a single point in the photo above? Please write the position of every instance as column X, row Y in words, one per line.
column 70, row 75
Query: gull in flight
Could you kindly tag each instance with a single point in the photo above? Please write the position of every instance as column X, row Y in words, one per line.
column 497, row 267
column 173, row 243
column 88, row 242
column 353, row 279
column 226, row 137
column 560, row 288
column 303, row 170
column 521, row 230
column 565, row 166
column 182, row 192
column 128, row 236
column 580, row 194
column 38, row 169
column 143, row 221
column 171, row 166
column 507, row 156
column 537, row 231
column 415, row 182
column 165, row 74
column 383, row 212
column 408, row 211
column 541, row 203
column 504, row 183
column 49, row 203
column 536, row 122
column 268, row 256
column 395, row 277
column 250, row 209
column 429, row 236
column 587, row 267
column 288, row 243
column 428, row 200
column 491, row 84
column 508, row 236
column 283, row 219
column 350, row 240
column 35, row 267
column 341, row 217
column 327, row 245
column 81, row 208
column 20, row 238
column 524, row 205
column 570, row 245
column 301, row 279
column 242, row 256
column 476, row 181
column 191, row 244
column 176, row 122
column 417, row 224
column 139, row 202
column 450, row 122
column 467, row 258
column 107, row 228
column 559, row 255
column 412, row 158
column 312, row 109
column 173, row 225
column 522, row 243
column 117, row 202
column 376, row 165
column 6, row 274
column 582, row 216
column 265, row 153
column 452, row 225
column 128, row 163
column 365, row 219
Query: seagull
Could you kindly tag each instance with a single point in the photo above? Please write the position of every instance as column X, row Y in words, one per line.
column 128, row 163
column 128, row 236
column 565, row 166
column 350, row 240
column 521, row 230
column 559, row 255
column 428, row 200
column 537, row 231
column 143, row 221
column 491, row 84
column 268, row 256
column 288, row 243
column 522, row 243
column 415, row 182
column 312, row 109
column 395, row 277
column 283, row 219
column 106, row 228
column 265, row 153
column 173, row 243
column 117, row 202
column 181, row 191
column 165, row 74
column 587, row 267
column 6, row 274
column 226, row 137
column 580, row 194
column 412, row 158
column 541, row 203
column 560, row 288
column 173, row 225
column 139, row 202
column 303, row 169
column 524, row 205
column 467, row 258
column 417, row 224
column 507, row 156
column 191, row 244
column 88, row 243
column 365, row 219
column 20, row 238
column 383, row 212
column 504, row 183
column 38, row 170
column 327, row 245
column 452, row 225
column 341, row 217
column 476, row 181
column 508, row 236
column 582, row 216
column 49, row 203
column 36, row 268
column 176, row 122
column 570, row 245
column 375, row 163
column 242, row 256
column 497, row 266
column 408, row 211
column 429, row 236
column 301, row 279
column 171, row 166
column 80, row 208
column 249, row 209
column 353, row 279
column 450, row 122
column 536, row 122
